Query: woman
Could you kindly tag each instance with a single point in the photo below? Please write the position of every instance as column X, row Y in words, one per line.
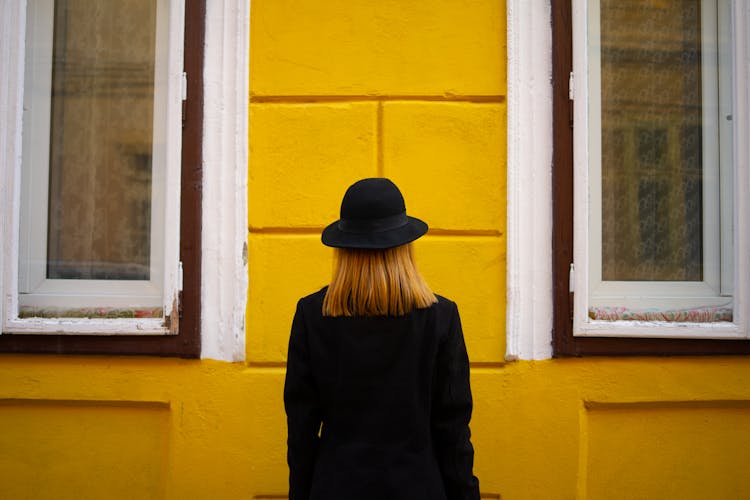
column 377, row 389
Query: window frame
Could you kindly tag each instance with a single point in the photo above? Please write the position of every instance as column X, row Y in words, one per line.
column 610, row 339
column 668, row 294
column 186, row 318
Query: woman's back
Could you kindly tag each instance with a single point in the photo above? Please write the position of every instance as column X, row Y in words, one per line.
column 393, row 399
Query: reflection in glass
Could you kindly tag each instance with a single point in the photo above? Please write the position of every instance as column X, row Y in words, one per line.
column 101, row 140
column 652, row 134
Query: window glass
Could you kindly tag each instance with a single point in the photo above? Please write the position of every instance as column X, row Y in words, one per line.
column 651, row 178
column 101, row 128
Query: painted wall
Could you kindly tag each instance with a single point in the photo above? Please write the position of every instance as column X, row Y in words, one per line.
column 341, row 90
column 95, row 427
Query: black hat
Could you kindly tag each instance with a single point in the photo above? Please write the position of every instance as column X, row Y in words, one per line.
column 373, row 215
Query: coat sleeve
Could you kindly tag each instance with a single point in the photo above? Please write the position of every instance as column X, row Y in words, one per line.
column 451, row 414
column 301, row 401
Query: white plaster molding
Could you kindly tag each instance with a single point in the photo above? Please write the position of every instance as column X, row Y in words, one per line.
column 225, row 157
column 12, row 46
column 529, row 282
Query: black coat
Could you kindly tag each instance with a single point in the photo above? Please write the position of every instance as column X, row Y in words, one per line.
column 378, row 408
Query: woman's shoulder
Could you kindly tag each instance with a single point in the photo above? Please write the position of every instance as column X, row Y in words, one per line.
column 444, row 307
column 444, row 301
column 314, row 299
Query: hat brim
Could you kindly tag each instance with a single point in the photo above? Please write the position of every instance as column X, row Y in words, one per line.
column 333, row 236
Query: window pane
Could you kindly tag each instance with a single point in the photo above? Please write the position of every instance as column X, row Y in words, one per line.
column 101, row 130
column 652, row 158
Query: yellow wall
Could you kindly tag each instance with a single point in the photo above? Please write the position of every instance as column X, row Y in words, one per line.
column 99, row 427
column 414, row 91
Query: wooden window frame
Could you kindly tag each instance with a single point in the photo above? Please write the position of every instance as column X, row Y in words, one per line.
column 187, row 343
column 564, row 342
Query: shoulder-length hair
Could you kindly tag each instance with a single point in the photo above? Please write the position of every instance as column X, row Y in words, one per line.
column 370, row 282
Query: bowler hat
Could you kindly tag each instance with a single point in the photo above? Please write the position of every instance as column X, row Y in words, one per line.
column 373, row 215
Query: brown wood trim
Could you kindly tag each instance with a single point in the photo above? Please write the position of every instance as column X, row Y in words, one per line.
column 564, row 343
column 187, row 343
column 562, row 177
column 590, row 346
column 192, row 182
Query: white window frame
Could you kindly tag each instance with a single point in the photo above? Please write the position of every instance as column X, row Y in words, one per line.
column 580, row 274
column 12, row 41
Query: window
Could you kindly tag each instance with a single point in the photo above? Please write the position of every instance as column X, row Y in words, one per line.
column 102, row 187
column 649, row 171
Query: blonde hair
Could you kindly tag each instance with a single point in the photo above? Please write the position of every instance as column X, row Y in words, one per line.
column 370, row 282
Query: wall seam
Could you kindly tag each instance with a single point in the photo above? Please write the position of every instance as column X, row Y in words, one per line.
column 286, row 230
column 379, row 153
column 583, row 452
column 307, row 99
